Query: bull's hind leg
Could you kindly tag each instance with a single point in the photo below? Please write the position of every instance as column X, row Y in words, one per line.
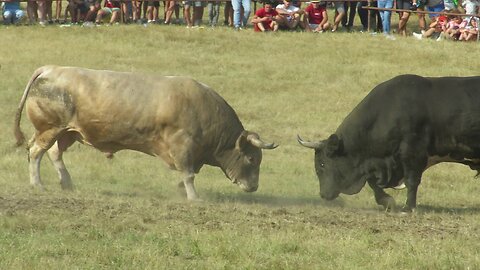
column 38, row 145
column 55, row 155
column 35, row 154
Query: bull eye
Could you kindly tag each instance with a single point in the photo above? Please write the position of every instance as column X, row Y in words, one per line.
column 250, row 159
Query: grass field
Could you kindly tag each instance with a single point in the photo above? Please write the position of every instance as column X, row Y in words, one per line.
column 125, row 213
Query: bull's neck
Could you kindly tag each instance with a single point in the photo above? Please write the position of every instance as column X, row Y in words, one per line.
column 226, row 161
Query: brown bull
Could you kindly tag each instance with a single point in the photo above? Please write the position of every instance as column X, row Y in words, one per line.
column 178, row 119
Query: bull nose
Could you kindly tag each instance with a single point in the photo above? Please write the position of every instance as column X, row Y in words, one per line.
column 327, row 197
column 251, row 189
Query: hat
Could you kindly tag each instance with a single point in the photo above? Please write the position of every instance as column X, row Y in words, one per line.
column 315, row 1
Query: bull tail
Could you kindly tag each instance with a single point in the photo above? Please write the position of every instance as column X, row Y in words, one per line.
column 19, row 136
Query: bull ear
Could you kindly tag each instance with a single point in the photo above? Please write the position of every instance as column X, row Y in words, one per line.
column 242, row 141
column 334, row 146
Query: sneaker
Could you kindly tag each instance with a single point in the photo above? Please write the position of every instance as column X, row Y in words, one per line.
column 440, row 37
column 87, row 24
column 417, row 35
column 390, row 37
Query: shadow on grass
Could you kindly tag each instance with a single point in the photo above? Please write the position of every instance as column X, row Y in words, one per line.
column 270, row 200
column 448, row 210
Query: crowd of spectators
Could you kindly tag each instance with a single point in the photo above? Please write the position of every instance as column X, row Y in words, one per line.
column 448, row 20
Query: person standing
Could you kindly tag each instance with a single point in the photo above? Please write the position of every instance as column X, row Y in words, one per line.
column 386, row 16
column 238, row 22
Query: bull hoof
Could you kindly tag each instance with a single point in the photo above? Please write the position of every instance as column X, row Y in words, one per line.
column 388, row 203
column 407, row 210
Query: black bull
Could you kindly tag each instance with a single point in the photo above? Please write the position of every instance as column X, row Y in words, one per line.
column 400, row 129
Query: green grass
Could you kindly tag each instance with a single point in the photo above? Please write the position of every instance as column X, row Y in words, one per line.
column 125, row 213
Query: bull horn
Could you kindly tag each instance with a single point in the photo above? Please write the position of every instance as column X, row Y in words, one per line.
column 313, row 145
column 256, row 141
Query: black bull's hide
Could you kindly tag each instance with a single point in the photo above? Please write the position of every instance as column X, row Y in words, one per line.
column 401, row 128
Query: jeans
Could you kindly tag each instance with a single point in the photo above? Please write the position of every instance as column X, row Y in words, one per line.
column 213, row 12
column 236, row 4
column 385, row 14
column 12, row 16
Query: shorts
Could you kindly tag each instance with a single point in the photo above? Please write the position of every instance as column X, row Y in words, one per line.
column 195, row 3
column 83, row 8
column 313, row 25
column 93, row 2
column 153, row 3
column 339, row 7
column 404, row 4
column 437, row 8
column 108, row 10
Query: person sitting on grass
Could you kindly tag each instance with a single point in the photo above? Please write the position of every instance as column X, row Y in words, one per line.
column 435, row 30
column 110, row 7
column 316, row 17
column 470, row 32
column 289, row 16
column 12, row 12
column 265, row 19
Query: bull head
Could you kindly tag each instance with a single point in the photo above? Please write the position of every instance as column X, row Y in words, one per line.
column 242, row 164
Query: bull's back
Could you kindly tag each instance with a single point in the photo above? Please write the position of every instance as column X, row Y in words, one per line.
column 126, row 109
column 445, row 108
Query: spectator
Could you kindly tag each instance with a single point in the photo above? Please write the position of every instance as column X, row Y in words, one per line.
column 187, row 14
column 12, row 14
column 288, row 15
column 93, row 8
column 238, row 22
column 471, row 6
column 316, row 17
column 375, row 18
column 386, row 17
column 152, row 11
column 404, row 16
column 198, row 13
column 265, row 19
column 170, row 6
column 36, row 10
column 453, row 28
column 213, row 12
column 436, row 27
column 228, row 13
column 470, row 31
column 110, row 8
column 339, row 14
column 350, row 8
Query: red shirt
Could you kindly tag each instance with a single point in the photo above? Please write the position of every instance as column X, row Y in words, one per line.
column 315, row 16
column 262, row 13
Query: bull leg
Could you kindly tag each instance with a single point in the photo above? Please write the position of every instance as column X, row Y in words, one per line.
column 55, row 155
column 188, row 183
column 35, row 154
column 381, row 197
column 412, row 182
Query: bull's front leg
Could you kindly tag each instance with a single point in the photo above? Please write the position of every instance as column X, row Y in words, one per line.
column 412, row 182
column 189, row 186
column 381, row 197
